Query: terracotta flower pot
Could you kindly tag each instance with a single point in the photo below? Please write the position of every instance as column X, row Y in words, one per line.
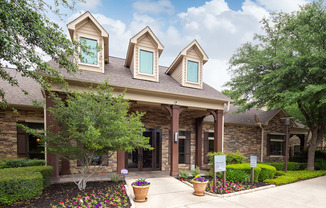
column 199, row 187
column 140, row 193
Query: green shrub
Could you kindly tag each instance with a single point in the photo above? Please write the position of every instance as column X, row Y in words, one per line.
column 292, row 166
column 235, row 175
column 115, row 178
column 320, row 164
column 46, row 172
column 231, row 157
column 267, row 172
column 293, row 176
column 196, row 171
column 279, row 173
column 16, row 163
column 245, row 167
column 18, row 184
column 184, row 173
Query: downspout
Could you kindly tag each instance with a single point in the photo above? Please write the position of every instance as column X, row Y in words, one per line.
column 227, row 110
column 45, row 149
column 262, row 143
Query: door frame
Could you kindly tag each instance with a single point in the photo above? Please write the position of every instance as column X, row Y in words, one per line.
column 157, row 148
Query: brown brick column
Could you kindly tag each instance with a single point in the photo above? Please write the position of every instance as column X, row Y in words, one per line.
column 175, row 112
column 52, row 159
column 218, row 127
column 199, row 141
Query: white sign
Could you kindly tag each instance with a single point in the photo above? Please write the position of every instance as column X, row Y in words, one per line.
column 219, row 163
column 253, row 161
column 124, row 171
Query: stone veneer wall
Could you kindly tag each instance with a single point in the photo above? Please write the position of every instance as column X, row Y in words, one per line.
column 8, row 128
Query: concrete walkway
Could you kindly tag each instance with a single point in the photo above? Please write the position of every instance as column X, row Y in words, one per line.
column 169, row 192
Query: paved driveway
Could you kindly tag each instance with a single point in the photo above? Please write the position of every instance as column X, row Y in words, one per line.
column 168, row 192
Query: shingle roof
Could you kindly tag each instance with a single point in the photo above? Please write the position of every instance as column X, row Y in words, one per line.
column 15, row 96
column 247, row 117
column 120, row 76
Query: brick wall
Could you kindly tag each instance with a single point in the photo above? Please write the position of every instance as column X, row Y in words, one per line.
column 8, row 128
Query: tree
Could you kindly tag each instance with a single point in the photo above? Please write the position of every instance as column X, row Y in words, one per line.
column 92, row 123
column 26, row 35
column 287, row 67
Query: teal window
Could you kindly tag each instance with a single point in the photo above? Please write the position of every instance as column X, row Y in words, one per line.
column 146, row 62
column 89, row 57
column 192, row 71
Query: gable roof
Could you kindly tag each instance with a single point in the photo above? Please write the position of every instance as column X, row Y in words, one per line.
column 134, row 40
column 184, row 52
column 254, row 116
column 82, row 18
column 14, row 94
column 120, row 76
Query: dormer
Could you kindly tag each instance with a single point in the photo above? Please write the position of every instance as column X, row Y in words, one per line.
column 187, row 68
column 143, row 53
column 86, row 30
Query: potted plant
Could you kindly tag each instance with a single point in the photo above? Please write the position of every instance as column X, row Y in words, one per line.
column 140, row 188
column 199, row 184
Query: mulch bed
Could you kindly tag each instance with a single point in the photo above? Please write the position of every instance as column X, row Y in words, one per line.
column 60, row 192
column 231, row 187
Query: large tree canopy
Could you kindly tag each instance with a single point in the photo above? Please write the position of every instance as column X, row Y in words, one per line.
column 91, row 123
column 287, row 67
column 26, row 34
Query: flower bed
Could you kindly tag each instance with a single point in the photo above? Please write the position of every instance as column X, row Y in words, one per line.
column 97, row 194
column 230, row 187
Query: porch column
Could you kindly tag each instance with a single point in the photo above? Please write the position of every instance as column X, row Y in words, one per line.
column 175, row 112
column 218, row 127
column 199, row 141
column 51, row 159
column 121, row 157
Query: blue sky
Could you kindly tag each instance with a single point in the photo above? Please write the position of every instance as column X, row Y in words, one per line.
column 220, row 26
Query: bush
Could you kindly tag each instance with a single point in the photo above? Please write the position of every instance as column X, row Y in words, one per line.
column 196, row 171
column 184, row 173
column 231, row 158
column 292, row 166
column 18, row 184
column 293, row 176
column 46, row 172
column 279, row 173
column 235, row 175
column 267, row 172
column 320, row 164
column 245, row 167
column 15, row 163
column 115, row 178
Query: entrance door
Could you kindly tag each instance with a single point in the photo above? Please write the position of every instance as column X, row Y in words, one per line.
column 142, row 159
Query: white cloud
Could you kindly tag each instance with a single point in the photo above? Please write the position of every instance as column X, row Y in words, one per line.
column 282, row 5
column 91, row 4
column 153, row 7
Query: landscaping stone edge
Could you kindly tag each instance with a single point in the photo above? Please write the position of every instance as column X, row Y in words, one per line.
column 130, row 197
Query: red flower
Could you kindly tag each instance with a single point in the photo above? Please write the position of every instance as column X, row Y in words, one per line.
column 66, row 199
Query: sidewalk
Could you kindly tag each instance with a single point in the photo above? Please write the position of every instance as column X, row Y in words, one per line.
column 169, row 192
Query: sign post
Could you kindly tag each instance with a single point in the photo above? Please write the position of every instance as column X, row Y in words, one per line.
column 219, row 165
column 124, row 172
column 253, row 164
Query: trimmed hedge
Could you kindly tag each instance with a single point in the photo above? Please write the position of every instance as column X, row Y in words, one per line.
column 293, row 176
column 16, row 163
column 23, row 183
column 267, row 172
column 292, row 166
column 245, row 167
column 234, row 175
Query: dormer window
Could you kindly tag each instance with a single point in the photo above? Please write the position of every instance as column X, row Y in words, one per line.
column 89, row 56
column 146, row 62
column 192, row 71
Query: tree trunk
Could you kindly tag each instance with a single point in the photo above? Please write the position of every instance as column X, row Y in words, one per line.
column 311, row 157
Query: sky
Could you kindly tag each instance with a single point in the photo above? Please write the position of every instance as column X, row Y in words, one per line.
column 220, row 26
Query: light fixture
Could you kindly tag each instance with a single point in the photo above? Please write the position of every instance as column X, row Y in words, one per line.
column 176, row 137
column 38, row 140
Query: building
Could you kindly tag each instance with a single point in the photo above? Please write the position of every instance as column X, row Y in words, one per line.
column 175, row 99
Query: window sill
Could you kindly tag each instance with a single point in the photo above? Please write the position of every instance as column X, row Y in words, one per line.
column 276, row 156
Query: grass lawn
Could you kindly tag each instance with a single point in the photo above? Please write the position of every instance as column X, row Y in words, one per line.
column 293, row 176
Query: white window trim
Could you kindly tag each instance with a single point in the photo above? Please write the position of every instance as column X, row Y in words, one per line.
column 98, row 52
column 148, row 50
column 210, row 138
column 186, row 70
